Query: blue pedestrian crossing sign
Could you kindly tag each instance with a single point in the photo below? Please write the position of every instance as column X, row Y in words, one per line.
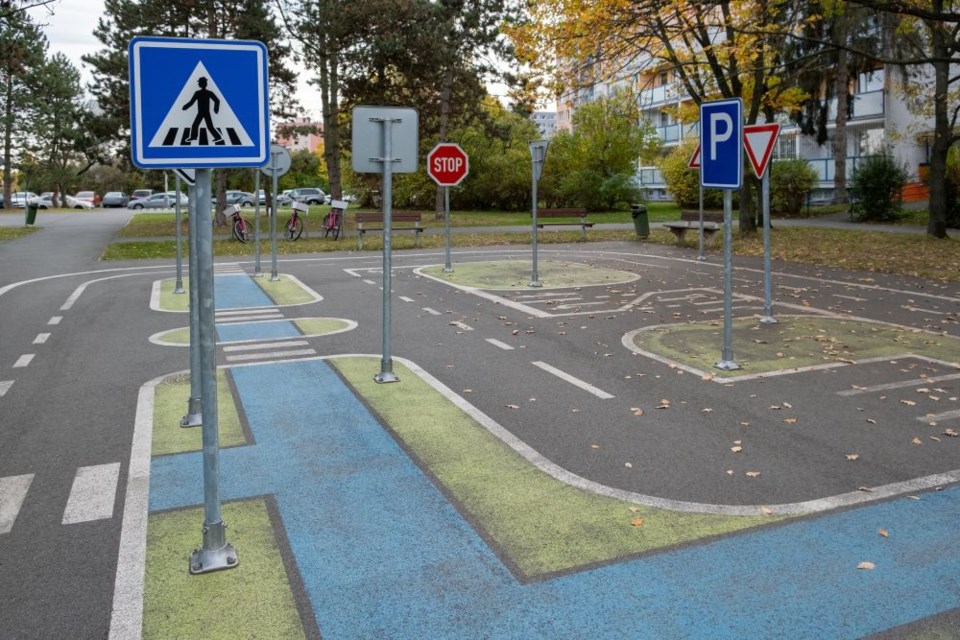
column 721, row 144
column 198, row 103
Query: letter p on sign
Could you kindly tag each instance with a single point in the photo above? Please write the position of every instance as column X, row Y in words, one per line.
column 721, row 135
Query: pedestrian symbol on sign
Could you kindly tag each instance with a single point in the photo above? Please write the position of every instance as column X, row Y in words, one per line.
column 199, row 117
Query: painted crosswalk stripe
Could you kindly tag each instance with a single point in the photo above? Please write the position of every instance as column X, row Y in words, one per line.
column 432, row 312
column 13, row 489
column 41, row 338
column 23, row 360
column 240, row 319
column 241, row 312
column 577, row 382
column 406, row 299
column 5, row 386
column 271, row 355
column 940, row 417
column 889, row 386
column 266, row 345
column 93, row 493
column 502, row 345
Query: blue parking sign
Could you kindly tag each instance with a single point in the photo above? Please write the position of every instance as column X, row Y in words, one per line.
column 198, row 103
column 721, row 144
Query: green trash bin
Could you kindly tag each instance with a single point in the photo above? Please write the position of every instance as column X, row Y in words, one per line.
column 31, row 213
column 641, row 223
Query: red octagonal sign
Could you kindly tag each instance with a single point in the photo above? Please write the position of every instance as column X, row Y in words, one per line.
column 447, row 164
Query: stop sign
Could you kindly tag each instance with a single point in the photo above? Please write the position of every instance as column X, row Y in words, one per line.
column 447, row 164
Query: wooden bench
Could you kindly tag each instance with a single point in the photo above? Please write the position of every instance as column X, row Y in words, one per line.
column 712, row 223
column 365, row 220
column 553, row 214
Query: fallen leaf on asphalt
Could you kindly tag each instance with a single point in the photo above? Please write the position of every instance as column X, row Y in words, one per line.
column 776, row 407
column 515, row 332
column 637, row 522
column 752, row 474
column 935, row 439
column 634, row 509
column 788, row 405
column 951, row 432
column 594, row 446
column 736, row 449
column 512, row 406
column 871, row 421
column 468, row 390
column 866, row 565
column 867, row 489
column 729, row 472
column 664, row 404
column 853, row 456
column 883, row 533
column 574, row 410
column 917, row 441
column 628, row 465
column 767, row 511
column 909, row 403
column 707, row 410
column 791, row 421
column 637, row 411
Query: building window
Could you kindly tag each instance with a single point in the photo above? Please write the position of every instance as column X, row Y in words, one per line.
column 870, row 81
column 871, row 142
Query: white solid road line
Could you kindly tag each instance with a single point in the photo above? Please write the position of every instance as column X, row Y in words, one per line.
column 600, row 393
column 13, row 489
column 502, row 345
column 93, row 493
column 939, row 417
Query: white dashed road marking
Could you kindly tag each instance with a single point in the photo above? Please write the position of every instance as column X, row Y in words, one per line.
column 23, row 360
column 600, row 393
column 93, row 493
column 502, row 345
column 13, row 489
column 55, row 320
column 41, row 338
column 5, row 386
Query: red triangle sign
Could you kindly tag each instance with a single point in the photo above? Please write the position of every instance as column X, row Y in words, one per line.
column 759, row 140
column 694, row 162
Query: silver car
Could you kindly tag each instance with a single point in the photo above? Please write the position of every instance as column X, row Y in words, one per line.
column 157, row 201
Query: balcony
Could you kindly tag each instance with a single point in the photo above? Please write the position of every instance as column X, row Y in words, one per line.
column 864, row 105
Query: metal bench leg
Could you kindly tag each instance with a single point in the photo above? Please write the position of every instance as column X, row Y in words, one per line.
column 417, row 242
column 360, row 240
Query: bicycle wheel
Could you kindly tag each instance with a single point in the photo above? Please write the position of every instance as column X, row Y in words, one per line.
column 240, row 230
column 327, row 227
column 293, row 228
column 338, row 226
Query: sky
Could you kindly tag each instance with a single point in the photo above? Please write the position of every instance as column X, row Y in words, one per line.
column 69, row 25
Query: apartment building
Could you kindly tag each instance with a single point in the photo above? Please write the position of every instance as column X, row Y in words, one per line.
column 880, row 119
column 546, row 122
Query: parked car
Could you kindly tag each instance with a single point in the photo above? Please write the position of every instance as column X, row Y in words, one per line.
column 284, row 198
column 114, row 199
column 308, row 195
column 20, row 198
column 45, row 201
column 241, row 198
column 88, row 196
column 141, row 193
column 157, row 201
column 261, row 196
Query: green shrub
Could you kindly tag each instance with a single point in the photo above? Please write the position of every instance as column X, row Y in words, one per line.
column 684, row 183
column 875, row 189
column 790, row 183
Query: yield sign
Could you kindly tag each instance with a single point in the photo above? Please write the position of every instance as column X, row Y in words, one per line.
column 694, row 162
column 759, row 140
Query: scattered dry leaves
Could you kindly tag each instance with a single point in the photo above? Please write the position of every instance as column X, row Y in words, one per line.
column 636, row 522
column 637, row 411
column 869, row 566
column 853, row 456
column 883, row 533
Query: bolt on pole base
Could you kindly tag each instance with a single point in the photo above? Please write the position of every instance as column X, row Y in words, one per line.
column 768, row 319
column 180, row 290
column 535, row 283
column 385, row 376
column 727, row 365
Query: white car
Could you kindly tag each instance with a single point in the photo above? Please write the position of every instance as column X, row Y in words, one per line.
column 46, row 202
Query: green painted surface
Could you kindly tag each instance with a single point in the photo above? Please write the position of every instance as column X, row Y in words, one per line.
column 516, row 274
column 170, row 405
column 170, row 301
column 796, row 341
column 285, row 290
column 176, row 336
column 253, row 600
column 320, row 326
column 540, row 523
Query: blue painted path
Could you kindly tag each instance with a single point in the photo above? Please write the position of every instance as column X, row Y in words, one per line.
column 238, row 292
column 383, row 553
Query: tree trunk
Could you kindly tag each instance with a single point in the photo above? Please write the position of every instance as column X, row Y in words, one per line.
column 842, row 91
column 937, row 221
column 220, row 219
column 329, row 88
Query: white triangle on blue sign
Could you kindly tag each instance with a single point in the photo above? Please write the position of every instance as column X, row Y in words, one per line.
column 188, row 126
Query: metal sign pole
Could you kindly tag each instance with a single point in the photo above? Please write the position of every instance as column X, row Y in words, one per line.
column 273, row 231
column 700, row 256
column 194, row 418
column 727, row 362
column 256, row 225
column 216, row 553
column 447, row 268
column 538, row 154
column 767, row 284
column 178, row 288
column 386, row 362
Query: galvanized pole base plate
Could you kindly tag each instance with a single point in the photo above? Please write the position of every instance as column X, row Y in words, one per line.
column 194, row 417
column 728, row 365
column 209, row 560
